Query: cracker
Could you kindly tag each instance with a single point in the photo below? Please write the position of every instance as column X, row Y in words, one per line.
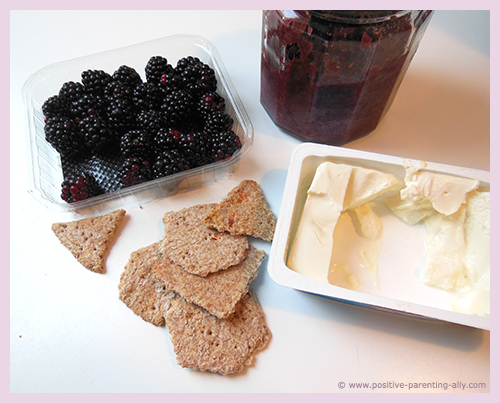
column 218, row 292
column 203, row 342
column 145, row 296
column 244, row 211
column 89, row 239
column 197, row 249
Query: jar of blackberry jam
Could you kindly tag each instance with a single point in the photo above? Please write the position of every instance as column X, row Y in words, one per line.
column 330, row 76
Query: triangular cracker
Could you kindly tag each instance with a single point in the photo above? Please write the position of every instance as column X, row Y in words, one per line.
column 145, row 296
column 244, row 211
column 197, row 249
column 203, row 342
column 218, row 292
column 88, row 239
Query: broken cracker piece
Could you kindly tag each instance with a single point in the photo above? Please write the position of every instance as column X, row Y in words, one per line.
column 145, row 296
column 89, row 239
column 218, row 292
column 244, row 211
column 203, row 342
column 197, row 249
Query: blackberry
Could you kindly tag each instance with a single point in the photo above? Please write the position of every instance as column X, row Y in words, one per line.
column 127, row 75
column 195, row 148
column 195, row 76
column 136, row 143
column 146, row 96
column 166, row 139
column 117, row 89
column 210, row 102
column 151, row 120
column 95, row 133
column 120, row 113
column 71, row 91
column 134, row 170
column 55, row 106
column 86, row 105
column 95, row 81
column 176, row 106
column 168, row 163
column 223, row 145
column 79, row 188
column 61, row 133
column 156, row 68
column 217, row 122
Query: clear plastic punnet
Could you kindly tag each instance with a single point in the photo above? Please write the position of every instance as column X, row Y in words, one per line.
column 46, row 174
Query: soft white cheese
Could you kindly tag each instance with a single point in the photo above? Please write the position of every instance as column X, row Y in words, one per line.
column 371, row 231
column 475, row 299
column 444, row 265
column 446, row 193
column 312, row 246
column 335, row 188
column 410, row 211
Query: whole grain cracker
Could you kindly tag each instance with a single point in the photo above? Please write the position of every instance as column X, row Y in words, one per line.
column 197, row 249
column 89, row 239
column 145, row 296
column 244, row 211
column 203, row 342
column 218, row 292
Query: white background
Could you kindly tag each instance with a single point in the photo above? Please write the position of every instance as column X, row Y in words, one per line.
column 69, row 332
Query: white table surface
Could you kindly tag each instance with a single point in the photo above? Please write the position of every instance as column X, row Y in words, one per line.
column 69, row 332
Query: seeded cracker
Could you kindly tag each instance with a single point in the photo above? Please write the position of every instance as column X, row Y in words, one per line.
column 244, row 211
column 218, row 292
column 144, row 295
column 88, row 239
column 205, row 343
column 197, row 249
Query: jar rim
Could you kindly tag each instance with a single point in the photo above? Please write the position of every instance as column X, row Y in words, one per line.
column 358, row 16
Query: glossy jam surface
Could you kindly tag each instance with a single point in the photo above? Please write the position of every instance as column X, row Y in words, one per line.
column 330, row 77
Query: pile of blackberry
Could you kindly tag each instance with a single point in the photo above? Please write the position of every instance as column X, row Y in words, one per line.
column 138, row 130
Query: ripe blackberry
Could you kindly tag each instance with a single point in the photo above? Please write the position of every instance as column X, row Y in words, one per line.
column 136, row 143
column 95, row 133
column 217, row 122
column 86, row 105
column 195, row 148
column 168, row 163
column 55, row 106
column 195, row 76
column 127, row 75
column 134, row 170
column 79, row 188
column 120, row 113
column 146, row 96
column 95, row 81
column 151, row 121
column 210, row 102
column 166, row 139
column 223, row 145
column 61, row 133
column 117, row 89
column 71, row 91
column 176, row 106
column 156, row 68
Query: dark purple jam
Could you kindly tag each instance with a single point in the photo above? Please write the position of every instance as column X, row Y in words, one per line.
column 330, row 76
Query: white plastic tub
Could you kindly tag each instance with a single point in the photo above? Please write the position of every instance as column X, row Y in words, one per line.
column 46, row 171
column 399, row 289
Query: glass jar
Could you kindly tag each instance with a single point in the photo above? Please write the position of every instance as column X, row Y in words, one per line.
column 330, row 76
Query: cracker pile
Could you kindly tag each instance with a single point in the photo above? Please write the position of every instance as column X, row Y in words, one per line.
column 196, row 281
column 89, row 239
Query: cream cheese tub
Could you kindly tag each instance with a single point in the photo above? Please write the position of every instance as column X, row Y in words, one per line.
column 380, row 253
